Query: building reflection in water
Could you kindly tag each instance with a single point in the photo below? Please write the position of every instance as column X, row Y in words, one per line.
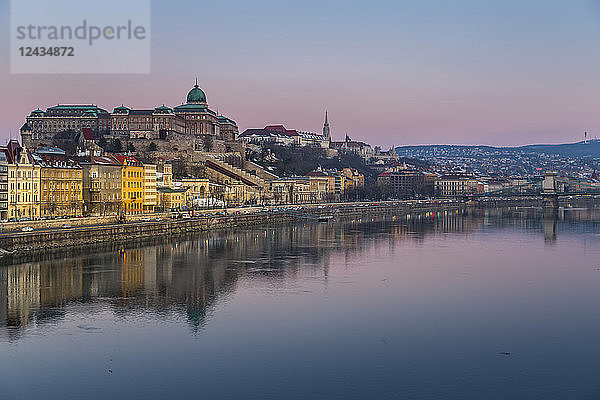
column 189, row 276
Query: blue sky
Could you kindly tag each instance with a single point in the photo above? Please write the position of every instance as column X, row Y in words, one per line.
column 485, row 72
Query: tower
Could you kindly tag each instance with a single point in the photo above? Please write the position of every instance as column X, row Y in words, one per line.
column 326, row 132
column 26, row 135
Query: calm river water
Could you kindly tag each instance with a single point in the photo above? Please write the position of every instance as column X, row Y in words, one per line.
column 492, row 304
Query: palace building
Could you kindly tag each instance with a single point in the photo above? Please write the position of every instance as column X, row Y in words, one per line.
column 67, row 122
column 157, row 123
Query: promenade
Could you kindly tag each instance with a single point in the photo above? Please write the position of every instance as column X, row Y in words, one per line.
column 57, row 234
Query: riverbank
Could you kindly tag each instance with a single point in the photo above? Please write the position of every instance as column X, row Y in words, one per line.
column 48, row 238
column 20, row 243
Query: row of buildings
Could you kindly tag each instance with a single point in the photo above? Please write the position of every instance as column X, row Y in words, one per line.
column 407, row 181
column 46, row 183
column 319, row 185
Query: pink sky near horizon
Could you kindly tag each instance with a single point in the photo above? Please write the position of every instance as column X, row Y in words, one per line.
column 467, row 74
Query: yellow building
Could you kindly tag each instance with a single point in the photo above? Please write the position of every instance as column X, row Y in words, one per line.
column 238, row 194
column 132, row 185
column 23, row 187
column 198, row 191
column 354, row 179
column 319, row 188
column 170, row 199
column 61, row 188
column 331, row 185
column 294, row 190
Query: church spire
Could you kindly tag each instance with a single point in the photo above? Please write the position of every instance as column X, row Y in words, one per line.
column 326, row 132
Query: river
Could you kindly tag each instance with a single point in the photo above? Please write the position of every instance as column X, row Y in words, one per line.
column 488, row 304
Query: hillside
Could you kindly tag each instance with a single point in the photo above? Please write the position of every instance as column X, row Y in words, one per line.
column 578, row 149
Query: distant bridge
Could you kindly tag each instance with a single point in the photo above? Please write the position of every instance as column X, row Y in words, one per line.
column 550, row 187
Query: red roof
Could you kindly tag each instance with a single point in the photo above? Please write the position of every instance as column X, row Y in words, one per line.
column 278, row 128
column 316, row 173
column 130, row 160
column 88, row 134
column 14, row 148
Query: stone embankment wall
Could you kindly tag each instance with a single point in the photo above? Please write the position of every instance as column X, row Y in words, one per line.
column 38, row 241
column 74, row 222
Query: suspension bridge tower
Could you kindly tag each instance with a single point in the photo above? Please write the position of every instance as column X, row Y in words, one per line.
column 549, row 190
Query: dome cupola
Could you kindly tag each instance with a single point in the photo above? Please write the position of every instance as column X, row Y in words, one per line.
column 196, row 95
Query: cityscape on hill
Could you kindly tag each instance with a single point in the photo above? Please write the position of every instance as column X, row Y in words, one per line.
column 132, row 162
column 581, row 159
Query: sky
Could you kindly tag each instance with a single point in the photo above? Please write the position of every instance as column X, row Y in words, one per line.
column 388, row 72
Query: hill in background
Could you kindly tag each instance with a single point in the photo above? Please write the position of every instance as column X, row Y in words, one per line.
column 579, row 149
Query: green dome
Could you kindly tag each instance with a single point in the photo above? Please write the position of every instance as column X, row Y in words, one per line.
column 196, row 95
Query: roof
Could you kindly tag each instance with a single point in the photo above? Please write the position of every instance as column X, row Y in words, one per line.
column 163, row 109
column 196, row 95
column 194, row 108
column 310, row 135
column 262, row 132
column 14, row 148
column 281, row 131
column 225, row 119
column 141, row 112
column 88, row 134
column 121, row 110
column 50, row 162
column 77, row 107
column 105, row 160
column 166, row 189
column 276, row 128
column 455, row 177
column 4, row 155
column 128, row 160
column 317, row 174
column 50, row 151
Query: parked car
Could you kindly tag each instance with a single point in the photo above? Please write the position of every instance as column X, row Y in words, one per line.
column 65, row 226
column 26, row 229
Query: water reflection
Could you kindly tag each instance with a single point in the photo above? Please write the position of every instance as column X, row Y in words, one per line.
column 187, row 277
